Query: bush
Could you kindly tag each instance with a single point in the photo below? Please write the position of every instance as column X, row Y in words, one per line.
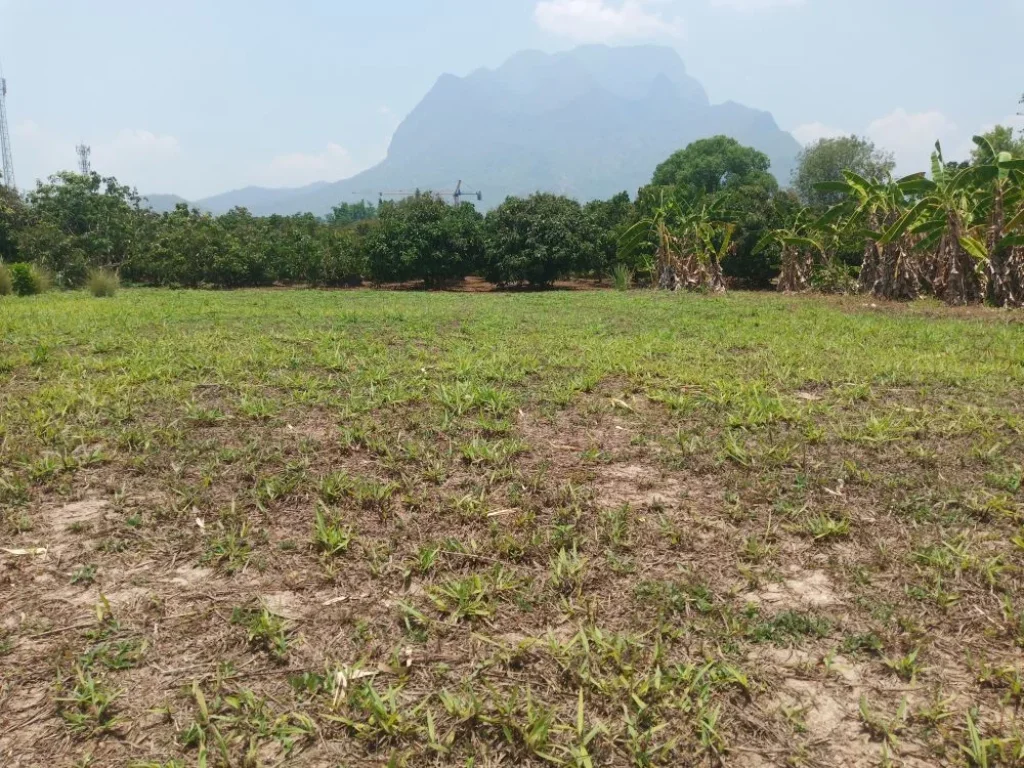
column 834, row 276
column 341, row 259
column 28, row 280
column 424, row 238
column 103, row 282
column 623, row 277
column 6, row 284
column 537, row 240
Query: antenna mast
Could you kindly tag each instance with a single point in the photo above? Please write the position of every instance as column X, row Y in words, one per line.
column 84, row 151
column 5, row 138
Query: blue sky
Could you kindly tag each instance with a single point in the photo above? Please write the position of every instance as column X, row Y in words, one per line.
column 201, row 96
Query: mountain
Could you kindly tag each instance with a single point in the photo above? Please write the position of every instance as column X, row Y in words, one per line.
column 263, row 201
column 162, row 203
column 588, row 123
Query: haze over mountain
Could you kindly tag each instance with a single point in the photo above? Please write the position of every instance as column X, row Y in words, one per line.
column 587, row 123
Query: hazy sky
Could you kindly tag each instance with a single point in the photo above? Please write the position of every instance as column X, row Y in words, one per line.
column 201, row 96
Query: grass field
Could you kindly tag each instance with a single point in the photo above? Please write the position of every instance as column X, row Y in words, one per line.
column 349, row 528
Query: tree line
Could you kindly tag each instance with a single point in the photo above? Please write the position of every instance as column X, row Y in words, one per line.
column 712, row 215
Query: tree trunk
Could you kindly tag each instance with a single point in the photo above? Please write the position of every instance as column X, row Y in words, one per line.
column 1004, row 269
column 958, row 280
column 795, row 274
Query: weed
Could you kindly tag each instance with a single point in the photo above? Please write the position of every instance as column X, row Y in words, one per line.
column 230, row 548
column 88, row 704
column 490, row 584
column 867, row 642
column 493, row 452
column 103, row 283
column 906, row 667
column 822, row 527
column 787, row 627
column 568, row 571
column 84, row 574
column 880, row 727
column 28, row 279
column 615, row 527
column 264, row 630
column 622, row 277
column 330, row 536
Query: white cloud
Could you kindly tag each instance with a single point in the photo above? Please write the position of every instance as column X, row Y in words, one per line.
column 134, row 153
column 295, row 169
column 756, row 5
column 137, row 157
column 601, row 21
column 809, row 133
column 911, row 137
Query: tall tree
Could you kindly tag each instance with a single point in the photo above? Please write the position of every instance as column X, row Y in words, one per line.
column 12, row 212
column 735, row 179
column 424, row 238
column 1002, row 138
column 344, row 214
column 79, row 222
column 826, row 160
column 710, row 166
column 537, row 240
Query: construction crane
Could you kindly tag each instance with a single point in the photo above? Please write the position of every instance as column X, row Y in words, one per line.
column 455, row 197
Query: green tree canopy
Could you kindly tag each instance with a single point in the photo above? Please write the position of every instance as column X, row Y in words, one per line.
column 1003, row 138
column 826, row 160
column 12, row 213
column 344, row 214
column 424, row 238
column 79, row 222
column 734, row 178
column 712, row 165
column 537, row 239
column 611, row 218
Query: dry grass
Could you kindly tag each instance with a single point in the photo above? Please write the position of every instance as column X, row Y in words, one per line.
column 318, row 528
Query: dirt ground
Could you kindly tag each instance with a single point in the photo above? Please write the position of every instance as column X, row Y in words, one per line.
column 575, row 528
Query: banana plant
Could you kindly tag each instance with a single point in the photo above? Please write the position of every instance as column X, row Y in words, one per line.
column 943, row 225
column 889, row 269
column 1000, row 180
column 690, row 242
column 797, row 247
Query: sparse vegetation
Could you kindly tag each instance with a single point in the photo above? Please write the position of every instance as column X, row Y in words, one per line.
column 27, row 279
column 103, row 283
column 577, row 528
column 6, row 281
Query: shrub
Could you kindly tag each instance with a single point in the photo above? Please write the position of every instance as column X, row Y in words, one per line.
column 6, row 284
column 834, row 276
column 424, row 238
column 538, row 239
column 341, row 259
column 28, row 280
column 103, row 282
column 623, row 277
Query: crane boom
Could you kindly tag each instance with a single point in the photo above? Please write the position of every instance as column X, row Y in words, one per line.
column 455, row 195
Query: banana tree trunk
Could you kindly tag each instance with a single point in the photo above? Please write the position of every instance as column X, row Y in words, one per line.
column 959, row 281
column 795, row 274
column 1004, row 273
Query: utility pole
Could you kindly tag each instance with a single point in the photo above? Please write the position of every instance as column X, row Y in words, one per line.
column 84, row 152
column 5, row 138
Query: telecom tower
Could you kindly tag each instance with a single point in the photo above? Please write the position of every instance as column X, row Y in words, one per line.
column 84, row 166
column 5, row 138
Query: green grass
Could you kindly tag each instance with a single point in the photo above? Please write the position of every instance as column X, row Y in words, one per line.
column 562, row 528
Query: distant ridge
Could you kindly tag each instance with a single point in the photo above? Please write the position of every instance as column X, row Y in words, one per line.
column 587, row 123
